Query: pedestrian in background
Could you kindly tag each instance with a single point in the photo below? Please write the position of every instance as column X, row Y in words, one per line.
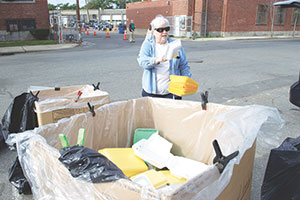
column 131, row 30
column 157, row 69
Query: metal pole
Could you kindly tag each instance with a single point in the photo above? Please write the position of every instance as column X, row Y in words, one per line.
column 193, row 19
column 78, row 21
column 273, row 15
column 295, row 22
column 205, row 22
column 87, row 11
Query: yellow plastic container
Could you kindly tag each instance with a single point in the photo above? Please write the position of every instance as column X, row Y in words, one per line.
column 172, row 179
column 126, row 160
column 182, row 85
column 155, row 178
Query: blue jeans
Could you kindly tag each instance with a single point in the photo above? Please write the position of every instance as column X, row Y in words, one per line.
column 170, row 96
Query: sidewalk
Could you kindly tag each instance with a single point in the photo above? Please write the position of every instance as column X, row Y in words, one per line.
column 34, row 48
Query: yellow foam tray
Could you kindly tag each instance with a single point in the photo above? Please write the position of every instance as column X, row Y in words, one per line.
column 182, row 85
column 180, row 92
column 172, row 179
column 183, row 79
column 126, row 160
column 157, row 178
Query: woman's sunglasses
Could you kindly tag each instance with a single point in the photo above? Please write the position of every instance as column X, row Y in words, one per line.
column 160, row 30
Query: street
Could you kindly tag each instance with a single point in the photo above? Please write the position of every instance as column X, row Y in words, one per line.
column 234, row 72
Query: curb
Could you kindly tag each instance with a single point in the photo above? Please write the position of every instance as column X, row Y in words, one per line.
column 34, row 48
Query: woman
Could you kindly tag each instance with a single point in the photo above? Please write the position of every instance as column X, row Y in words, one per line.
column 157, row 69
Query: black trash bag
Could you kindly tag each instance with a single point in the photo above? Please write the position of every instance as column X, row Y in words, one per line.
column 20, row 115
column 17, row 178
column 89, row 165
column 282, row 176
column 2, row 142
column 295, row 93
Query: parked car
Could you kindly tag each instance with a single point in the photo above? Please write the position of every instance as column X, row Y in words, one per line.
column 106, row 25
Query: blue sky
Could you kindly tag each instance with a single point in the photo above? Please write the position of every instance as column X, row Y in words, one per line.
column 55, row 2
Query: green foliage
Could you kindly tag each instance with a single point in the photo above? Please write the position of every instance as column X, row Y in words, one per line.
column 108, row 4
column 62, row 6
column 51, row 6
column 40, row 34
column 103, row 4
column 95, row 4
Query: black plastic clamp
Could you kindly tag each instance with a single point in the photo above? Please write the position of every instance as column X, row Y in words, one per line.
column 97, row 87
column 92, row 109
column 204, row 97
column 220, row 160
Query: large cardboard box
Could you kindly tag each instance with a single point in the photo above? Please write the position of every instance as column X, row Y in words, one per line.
column 183, row 123
column 57, row 103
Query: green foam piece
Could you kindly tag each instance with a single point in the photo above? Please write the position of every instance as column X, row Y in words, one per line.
column 143, row 133
column 63, row 140
column 80, row 137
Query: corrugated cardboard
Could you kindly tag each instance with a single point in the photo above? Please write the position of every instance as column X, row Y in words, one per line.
column 183, row 123
column 59, row 103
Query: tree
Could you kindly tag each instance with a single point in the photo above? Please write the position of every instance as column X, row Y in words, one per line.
column 103, row 4
column 108, row 4
column 51, row 6
column 62, row 6
column 122, row 3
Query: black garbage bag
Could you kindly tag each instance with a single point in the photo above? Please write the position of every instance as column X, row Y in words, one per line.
column 89, row 165
column 17, row 178
column 282, row 176
column 2, row 142
column 295, row 93
column 20, row 115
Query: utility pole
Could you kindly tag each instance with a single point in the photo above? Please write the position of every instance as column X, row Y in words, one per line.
column 87, row 11
column 78, row 21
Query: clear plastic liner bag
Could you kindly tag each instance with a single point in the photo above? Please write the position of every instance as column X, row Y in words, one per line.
column 185, row 124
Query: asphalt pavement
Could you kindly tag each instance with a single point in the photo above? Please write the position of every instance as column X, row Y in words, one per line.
column 269, row 87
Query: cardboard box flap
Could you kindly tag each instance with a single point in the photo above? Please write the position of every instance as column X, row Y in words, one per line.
column 52, row 99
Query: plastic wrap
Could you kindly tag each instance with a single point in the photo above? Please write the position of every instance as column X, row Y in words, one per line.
column 190, row 129
column 57, row 103
column 64, row 97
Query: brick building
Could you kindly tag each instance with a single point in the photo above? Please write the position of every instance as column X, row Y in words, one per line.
column 17, row 17
column 217, row 17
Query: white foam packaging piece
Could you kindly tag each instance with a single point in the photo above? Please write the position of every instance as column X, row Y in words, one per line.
column 157, row 151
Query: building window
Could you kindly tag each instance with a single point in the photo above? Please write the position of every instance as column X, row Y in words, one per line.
column 94, row 16
column 296, row 16
column 13, row 25
column 280, row 16
column 262, row 15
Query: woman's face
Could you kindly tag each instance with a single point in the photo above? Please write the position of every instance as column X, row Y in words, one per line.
column 161, row 33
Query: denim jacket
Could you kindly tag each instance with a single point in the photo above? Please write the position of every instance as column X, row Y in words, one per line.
column 146, row 58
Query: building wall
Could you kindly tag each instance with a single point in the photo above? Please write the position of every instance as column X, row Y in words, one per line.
column 142, row 13
column 242, row 17
column 224, row 17
column 38, row 10
column 215, row 15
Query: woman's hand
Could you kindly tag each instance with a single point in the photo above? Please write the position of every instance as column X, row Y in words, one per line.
column 160, row 59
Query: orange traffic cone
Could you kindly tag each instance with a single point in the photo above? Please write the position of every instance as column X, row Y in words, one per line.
column 107, row 32
column 94, row 33
column 87, row 32
column 125, row 35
